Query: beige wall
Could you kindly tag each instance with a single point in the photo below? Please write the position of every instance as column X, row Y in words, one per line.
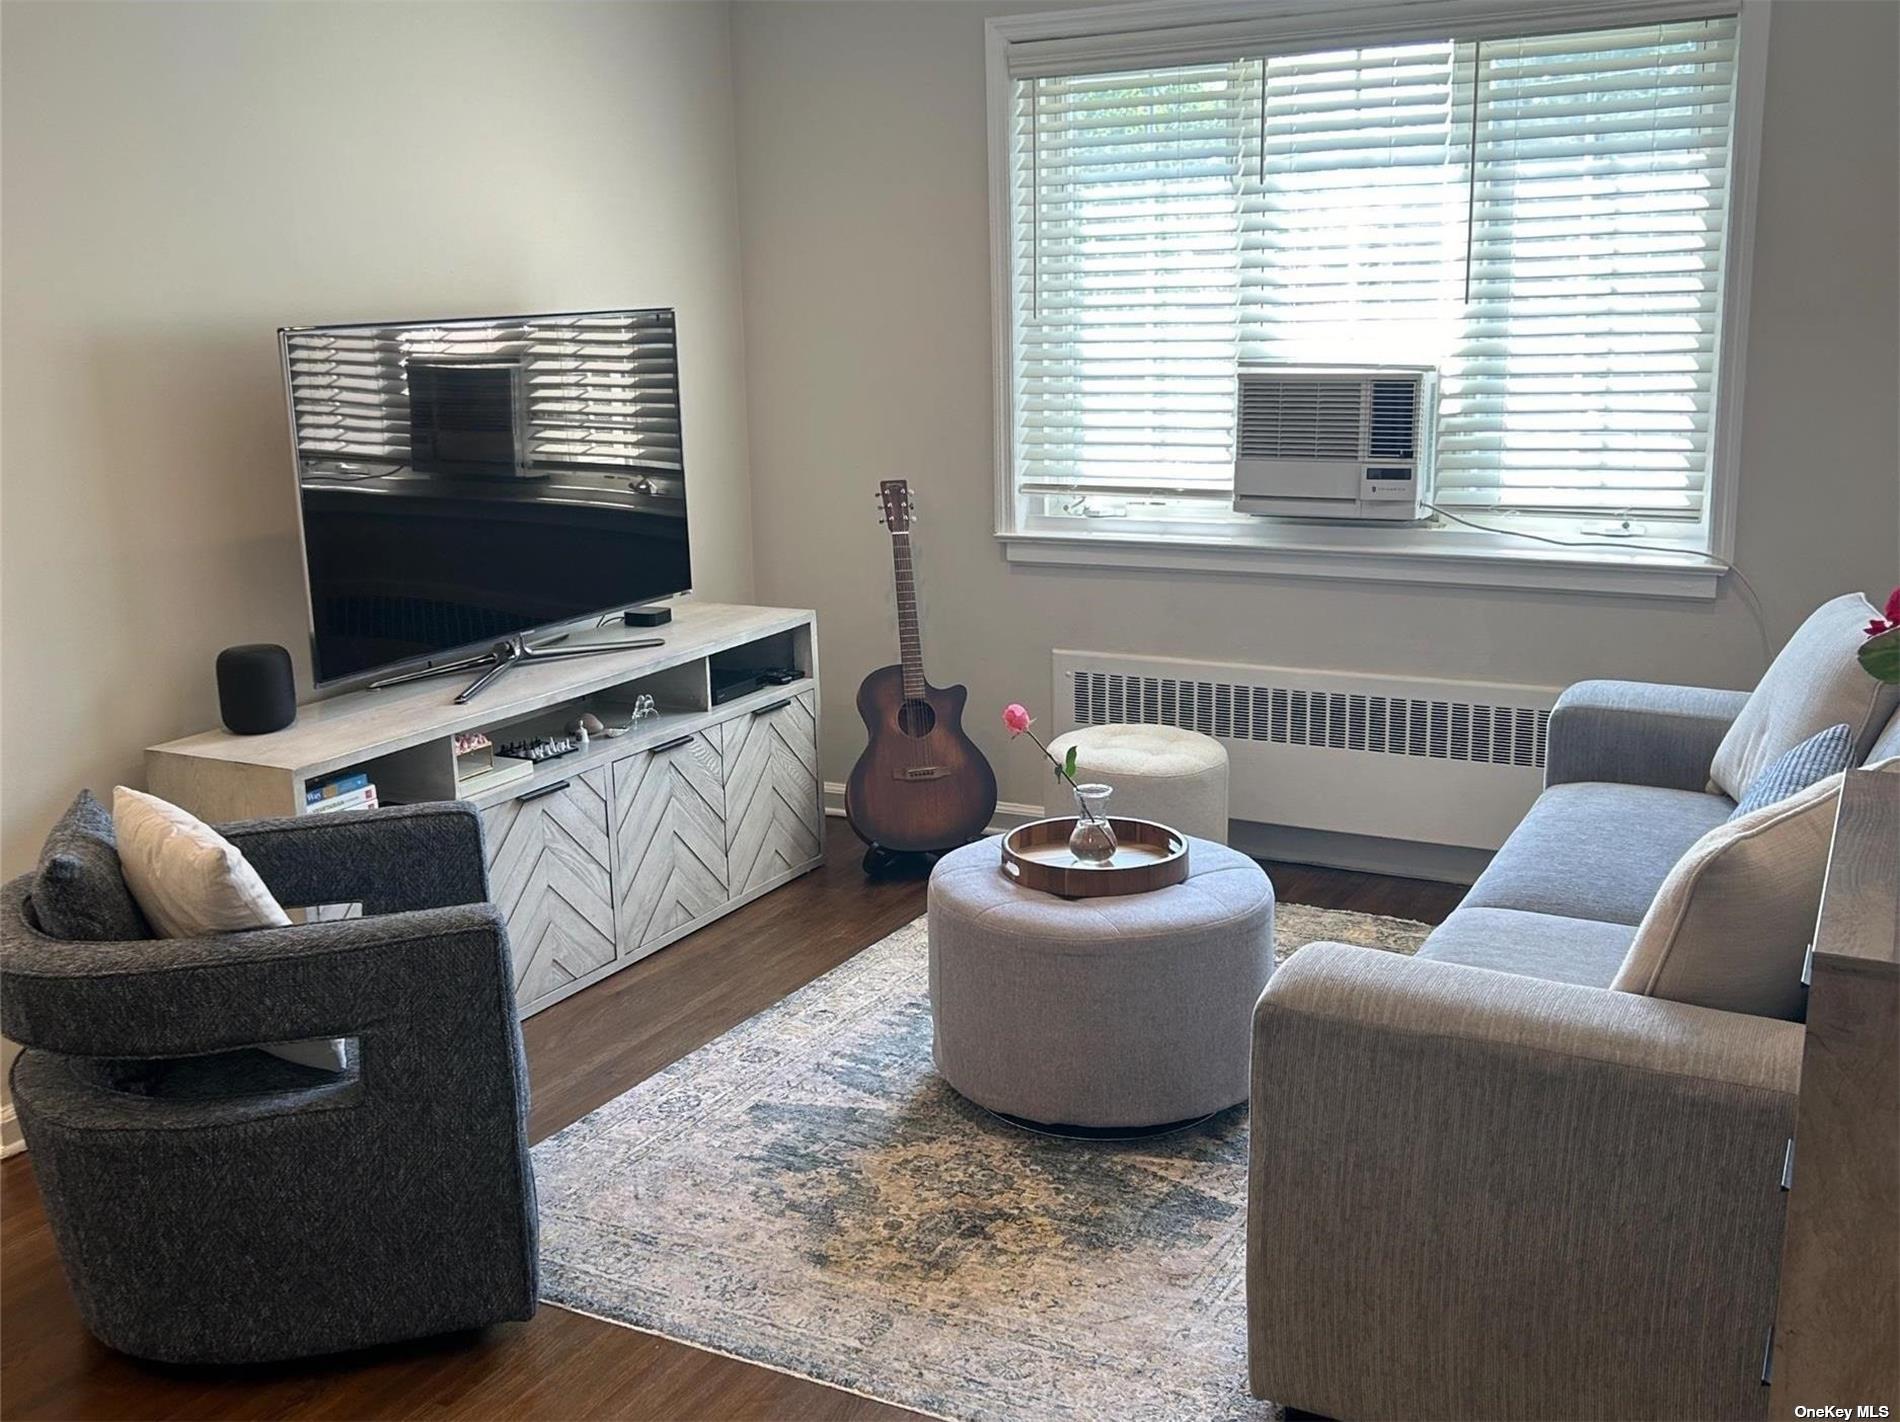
column 863, row 194
column 181, row 179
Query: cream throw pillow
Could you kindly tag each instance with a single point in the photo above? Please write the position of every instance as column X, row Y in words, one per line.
column 1817, row 681
column 192, row 882
column 1730, row 926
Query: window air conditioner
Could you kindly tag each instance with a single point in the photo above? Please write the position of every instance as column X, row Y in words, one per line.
column 1334, row 441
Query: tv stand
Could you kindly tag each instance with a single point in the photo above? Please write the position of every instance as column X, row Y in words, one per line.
column 505, row 656
column 600, row 855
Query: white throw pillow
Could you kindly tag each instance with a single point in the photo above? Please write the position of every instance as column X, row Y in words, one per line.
column 192, row 882
column 1817, row 681
column 1730, row 926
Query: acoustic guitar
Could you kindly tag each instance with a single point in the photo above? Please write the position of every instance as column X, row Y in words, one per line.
column 921, row 785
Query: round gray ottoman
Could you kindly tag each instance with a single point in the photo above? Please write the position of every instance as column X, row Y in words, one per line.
column 1095, row 1013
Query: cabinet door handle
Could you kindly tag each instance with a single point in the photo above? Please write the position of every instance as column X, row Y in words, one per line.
column 772, row 706
column 536, row 794
column 673, row 744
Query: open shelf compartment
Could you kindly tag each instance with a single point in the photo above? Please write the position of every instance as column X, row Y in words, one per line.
column 763, row 662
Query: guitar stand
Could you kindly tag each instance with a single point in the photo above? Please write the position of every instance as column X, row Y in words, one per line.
column 882, row 863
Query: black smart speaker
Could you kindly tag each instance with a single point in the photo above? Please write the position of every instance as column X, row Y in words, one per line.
column 257, row 691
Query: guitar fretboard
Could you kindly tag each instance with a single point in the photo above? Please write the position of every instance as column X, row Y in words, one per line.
column 909, row 643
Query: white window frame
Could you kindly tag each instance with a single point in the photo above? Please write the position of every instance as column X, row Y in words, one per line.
column 1157, row 32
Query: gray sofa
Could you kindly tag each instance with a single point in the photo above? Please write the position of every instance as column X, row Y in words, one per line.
column 216, row 1204
column 1484, row 1186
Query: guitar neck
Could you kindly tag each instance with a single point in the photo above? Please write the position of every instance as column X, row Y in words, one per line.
column 910, row 644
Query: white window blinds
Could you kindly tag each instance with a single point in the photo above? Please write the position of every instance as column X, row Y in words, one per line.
column 1583, row 376
column 1127, row 214
column 1542, row 219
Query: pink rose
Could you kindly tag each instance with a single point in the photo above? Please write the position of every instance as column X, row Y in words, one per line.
column 1892, row 619
column 1017, row 718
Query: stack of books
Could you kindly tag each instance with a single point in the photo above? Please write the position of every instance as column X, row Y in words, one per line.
column 340, row 792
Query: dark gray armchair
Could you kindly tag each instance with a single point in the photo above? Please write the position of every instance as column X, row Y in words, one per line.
column 215, row 1204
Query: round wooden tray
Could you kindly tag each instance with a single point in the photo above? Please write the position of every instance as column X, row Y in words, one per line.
column 1148, row 856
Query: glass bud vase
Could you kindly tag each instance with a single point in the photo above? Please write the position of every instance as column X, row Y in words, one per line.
column 1093, row 841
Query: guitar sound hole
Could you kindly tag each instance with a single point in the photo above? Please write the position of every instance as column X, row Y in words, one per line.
column 915, row 719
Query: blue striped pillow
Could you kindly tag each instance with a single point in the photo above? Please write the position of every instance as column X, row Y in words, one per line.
column 1822, row 754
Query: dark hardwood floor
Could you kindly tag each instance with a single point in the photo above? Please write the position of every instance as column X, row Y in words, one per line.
column 581, row 1052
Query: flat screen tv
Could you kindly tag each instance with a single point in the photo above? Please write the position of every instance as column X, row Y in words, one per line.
column 468, row 481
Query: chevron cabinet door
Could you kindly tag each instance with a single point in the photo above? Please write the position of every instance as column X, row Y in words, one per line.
column 549, row 871
column 772, row 807
column 669, row 840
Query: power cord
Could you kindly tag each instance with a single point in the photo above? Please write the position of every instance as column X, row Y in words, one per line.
column 1752, row 600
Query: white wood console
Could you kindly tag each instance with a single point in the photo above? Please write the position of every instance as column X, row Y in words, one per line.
column 599, row 857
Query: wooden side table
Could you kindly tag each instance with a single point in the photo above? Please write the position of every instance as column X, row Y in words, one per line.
column 1837, row 1320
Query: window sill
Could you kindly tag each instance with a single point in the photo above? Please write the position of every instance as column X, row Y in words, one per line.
column 1442, row 557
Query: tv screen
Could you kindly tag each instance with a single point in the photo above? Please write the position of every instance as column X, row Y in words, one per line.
column 463, row 481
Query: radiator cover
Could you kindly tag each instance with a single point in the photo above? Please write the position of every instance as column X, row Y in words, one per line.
column 1436, row 762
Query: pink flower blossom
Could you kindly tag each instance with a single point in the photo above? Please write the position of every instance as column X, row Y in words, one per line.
column 1017, row 718
column 1891, row 620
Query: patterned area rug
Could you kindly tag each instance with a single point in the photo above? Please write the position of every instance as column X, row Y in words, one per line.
column 805, row 1193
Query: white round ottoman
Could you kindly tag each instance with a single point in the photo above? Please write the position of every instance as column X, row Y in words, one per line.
column 1176, row 778
column 1128, row 1013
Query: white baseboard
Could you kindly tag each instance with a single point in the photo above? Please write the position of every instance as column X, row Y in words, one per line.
column 11, row 1142
column 1009, row 813
column 1401, row 858
column 1369, row 855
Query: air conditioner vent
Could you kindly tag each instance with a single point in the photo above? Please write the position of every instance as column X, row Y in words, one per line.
column 1301, row 419
column 1475, row 733
column 1394, row 430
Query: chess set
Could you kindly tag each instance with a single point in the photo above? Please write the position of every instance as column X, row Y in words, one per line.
column 540, row 748
column 578, row 734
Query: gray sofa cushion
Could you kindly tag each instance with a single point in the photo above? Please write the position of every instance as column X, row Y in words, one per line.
column 1814, row 682
column 79, row 893
column 1638, row 733
column 1595, row 850
column 1586, row 951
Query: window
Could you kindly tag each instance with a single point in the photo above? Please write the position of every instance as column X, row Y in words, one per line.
column 1544, row 218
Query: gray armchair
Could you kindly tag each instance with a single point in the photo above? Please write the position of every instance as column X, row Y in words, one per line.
column 216, row 1204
